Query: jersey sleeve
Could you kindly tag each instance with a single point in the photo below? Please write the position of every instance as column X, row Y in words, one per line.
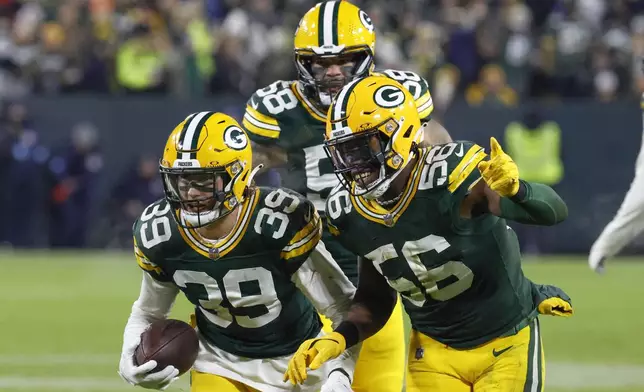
column 454, row 167
column 145, row 250
column 261, row 125
column 289, row 223
column 418, row 87
column 337, row 211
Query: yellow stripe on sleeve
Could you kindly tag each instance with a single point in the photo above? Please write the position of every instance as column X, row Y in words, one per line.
column 425, row 105
column 304, row 240
column 468, row 164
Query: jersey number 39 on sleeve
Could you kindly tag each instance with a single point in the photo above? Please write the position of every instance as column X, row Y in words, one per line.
column 430, row 279
column 275, row 215
column 157, row 230
column 249, row 311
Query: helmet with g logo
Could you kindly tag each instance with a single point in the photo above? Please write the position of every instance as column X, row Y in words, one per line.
column 206, row 168
column 372, row 133
column 338, row 32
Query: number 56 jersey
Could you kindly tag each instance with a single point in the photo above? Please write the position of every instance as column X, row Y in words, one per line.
column 460, row 279
column 242, row 285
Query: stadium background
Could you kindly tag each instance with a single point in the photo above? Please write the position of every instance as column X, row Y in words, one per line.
column 90, row 89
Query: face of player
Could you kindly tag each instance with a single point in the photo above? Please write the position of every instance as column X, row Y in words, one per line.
column 360, row 159
column 332, row 73
column 197, row 191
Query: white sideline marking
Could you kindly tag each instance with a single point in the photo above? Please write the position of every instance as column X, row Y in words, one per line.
column 78, row 384
column 59, row 359
column 563, row 375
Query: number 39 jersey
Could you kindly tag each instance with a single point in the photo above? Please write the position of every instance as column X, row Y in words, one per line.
column 460, row 279
column 280, row 114
column 241, row 285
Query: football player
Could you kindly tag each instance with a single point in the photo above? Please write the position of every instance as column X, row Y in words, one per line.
column 430, row 224
column 334, row 44
column 249, row 258
column 627, row 223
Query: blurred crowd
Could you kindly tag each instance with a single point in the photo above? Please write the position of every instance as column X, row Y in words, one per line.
column 493, row 52
column 501, row 51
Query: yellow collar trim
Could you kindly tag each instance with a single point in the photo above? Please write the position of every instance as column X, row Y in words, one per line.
column 308, row 105
column 374, row 212
column 230, row 241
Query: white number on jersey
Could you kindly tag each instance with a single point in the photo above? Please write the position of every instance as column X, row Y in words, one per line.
column 410, row 80
column 429, row 279
column 435, row 171
column 338, row 202
column 314, row 181
column 154, row 219
column 274, row 215
column 277, row 97
column 220, row 315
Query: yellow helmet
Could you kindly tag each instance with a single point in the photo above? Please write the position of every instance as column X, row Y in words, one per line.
column 372, row 132
column 206, row 168
column 334, row 32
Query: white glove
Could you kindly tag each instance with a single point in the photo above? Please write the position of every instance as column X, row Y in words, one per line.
column 337, row 382
column 596, row 262
column 138, row 375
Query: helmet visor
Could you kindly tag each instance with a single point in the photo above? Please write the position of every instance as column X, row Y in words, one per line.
column 197, row 191
column 359, row 158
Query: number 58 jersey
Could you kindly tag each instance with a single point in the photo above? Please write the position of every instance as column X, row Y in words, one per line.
column 460, row 279
column 242, row 285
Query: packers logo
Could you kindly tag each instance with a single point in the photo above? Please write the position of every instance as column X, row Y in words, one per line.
column 389, row 97
column 366, row 21
column 235, row 138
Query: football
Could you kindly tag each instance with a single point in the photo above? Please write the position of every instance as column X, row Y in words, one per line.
column 168, row 342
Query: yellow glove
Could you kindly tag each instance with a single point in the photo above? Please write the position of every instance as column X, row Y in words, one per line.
column 500, row 173
column 555, row 306
column 312, row 354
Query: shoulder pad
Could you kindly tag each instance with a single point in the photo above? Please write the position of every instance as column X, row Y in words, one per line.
column 417, row 86
column 451, row 165
column 154, row 229
column 288, row 221
column 264, row 108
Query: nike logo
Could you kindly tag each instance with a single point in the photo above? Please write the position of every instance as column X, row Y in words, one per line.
column 497, row 353
column 459, row 153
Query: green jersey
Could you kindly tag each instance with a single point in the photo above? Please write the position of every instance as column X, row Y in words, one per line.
column 460, row 279
column 280, row 114
column 241, row 285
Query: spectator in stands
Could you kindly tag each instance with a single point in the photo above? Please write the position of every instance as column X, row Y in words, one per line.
column 138, row 187
column 492, row 89
column 21, row 161
column 73, row 173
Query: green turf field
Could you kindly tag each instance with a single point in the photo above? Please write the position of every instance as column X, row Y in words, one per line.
column 63, row 314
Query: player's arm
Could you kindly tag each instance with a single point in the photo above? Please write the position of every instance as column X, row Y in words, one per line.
column 322, row 281
column 504, row 194
column 371, row 307
column 156, row 297
column 264, row 132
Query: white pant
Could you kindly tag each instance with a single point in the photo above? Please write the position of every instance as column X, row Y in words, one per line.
column 265, row 375
column 628, row 223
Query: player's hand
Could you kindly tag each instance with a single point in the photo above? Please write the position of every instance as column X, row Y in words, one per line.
column 312, row 354
column 337, row 381
column 500, row 173
column 555, row 306
column 140, row 375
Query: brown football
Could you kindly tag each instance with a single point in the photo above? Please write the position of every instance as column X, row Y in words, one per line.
column 168, row 342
